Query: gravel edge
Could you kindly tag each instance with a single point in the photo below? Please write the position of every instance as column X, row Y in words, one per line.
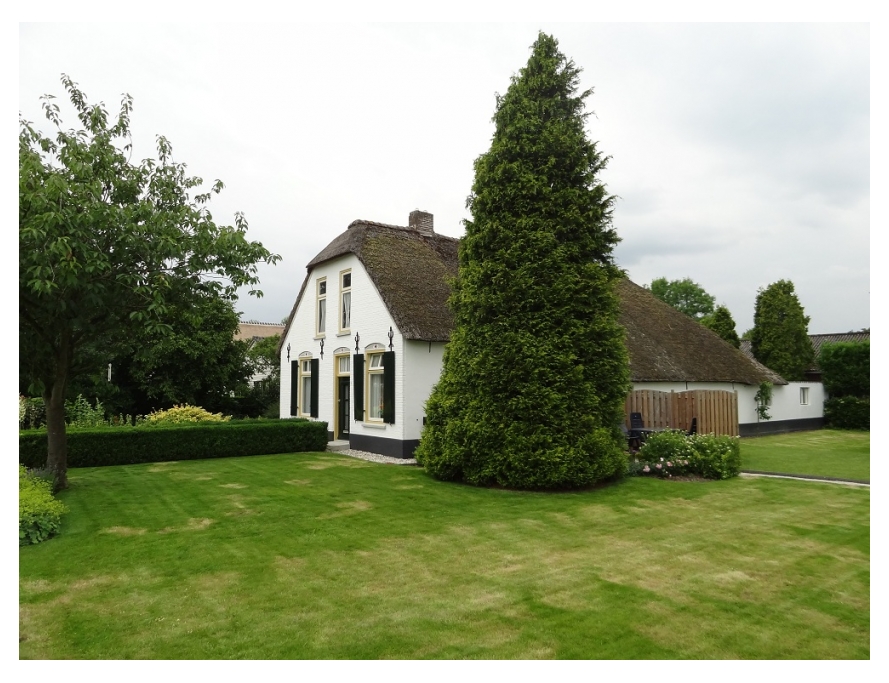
column 374, row 457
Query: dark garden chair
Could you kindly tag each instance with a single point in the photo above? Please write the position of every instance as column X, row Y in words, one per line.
column 634, row 436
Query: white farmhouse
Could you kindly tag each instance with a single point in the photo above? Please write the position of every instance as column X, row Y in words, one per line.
column 364, row 343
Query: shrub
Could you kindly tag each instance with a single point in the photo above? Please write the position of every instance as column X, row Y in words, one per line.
column 40, row 515
column 716, row 457
column 184, row 414
column 673, row 453
column 79, row 413
column 35, row 413
column 847, row 412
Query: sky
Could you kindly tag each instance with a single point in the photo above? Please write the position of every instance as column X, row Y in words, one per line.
column 740, row 152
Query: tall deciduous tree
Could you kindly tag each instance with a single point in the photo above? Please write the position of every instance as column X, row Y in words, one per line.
column 722, row 323
column 780, row 337
column 536, row 371
column 102, row 243
column 683, row 295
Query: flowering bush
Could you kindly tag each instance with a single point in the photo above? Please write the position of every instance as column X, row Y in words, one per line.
column 674, row 453
column 183, row 414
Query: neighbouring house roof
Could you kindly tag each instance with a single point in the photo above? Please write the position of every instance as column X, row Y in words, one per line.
column 818, row 341
column 253, row 330
column 411, row 271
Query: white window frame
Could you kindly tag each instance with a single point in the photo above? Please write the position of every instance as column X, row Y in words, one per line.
column 305, row 386
column 320, row 307
column 345, row 292
column 373, row 413
column 804, row 396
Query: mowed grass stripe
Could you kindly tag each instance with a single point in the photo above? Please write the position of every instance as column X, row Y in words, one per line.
column 321, row 556
column 840, row 454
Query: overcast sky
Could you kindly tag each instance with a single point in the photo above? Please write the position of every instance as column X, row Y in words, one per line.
column 740, row 152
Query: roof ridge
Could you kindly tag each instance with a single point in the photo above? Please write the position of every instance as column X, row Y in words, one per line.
column 376, row 224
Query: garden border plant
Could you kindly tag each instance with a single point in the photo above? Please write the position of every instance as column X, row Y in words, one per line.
column 40, row 514
column 672, row 453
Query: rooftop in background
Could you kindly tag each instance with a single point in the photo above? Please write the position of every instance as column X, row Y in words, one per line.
column 818, row 340
column 253, row 329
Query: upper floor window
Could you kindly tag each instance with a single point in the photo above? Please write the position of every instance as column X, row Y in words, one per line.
column 345, row 300
column 321, row 316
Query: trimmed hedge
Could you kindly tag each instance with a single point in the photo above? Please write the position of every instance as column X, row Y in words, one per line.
column 847, row 412
column 129, row 446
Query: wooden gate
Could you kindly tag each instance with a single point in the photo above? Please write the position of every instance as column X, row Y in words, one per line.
column 717, row 411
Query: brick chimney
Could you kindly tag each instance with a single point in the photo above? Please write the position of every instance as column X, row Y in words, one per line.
column 421, row 221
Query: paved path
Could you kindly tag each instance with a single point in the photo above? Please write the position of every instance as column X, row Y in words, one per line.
column 825, row 480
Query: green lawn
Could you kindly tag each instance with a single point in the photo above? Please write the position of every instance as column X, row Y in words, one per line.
column 842, row 454
column 320, row 556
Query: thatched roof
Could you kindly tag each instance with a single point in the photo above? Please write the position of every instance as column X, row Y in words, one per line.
column 411, row 271
column 668, row 346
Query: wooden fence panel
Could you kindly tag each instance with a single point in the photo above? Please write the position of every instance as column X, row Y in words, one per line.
column 716, row 410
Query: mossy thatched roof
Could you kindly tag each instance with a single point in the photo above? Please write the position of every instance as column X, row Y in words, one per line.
column 668, row 346
column 411, row 271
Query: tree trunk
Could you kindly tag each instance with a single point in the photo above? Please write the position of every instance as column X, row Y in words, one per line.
column 56, row 436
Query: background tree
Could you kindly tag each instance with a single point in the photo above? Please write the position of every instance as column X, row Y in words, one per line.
column 102, row 244
column 264, row 358
column 845, row 368
column 722, row 323
column 780, row 338
column 536, row 371
column 683, row 295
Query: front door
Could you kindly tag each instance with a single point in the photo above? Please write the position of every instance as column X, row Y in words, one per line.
column 342, row 409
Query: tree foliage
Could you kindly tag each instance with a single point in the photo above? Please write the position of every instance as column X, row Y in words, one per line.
column 780, row 337
column 722, row 323
column 845, row 369
column 536, row 371
column 683, row 295
column 265, row 359
column 103, row 242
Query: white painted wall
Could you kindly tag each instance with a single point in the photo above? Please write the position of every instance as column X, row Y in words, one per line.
column 425, row 362
column 370, row 319
column 785, row 398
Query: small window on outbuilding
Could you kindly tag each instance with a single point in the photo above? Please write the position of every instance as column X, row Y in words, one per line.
column 804, row 396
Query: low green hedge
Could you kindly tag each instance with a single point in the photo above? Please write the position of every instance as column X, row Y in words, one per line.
column 673, row 453
column 132, row 445
column 847, row 412
column 40, row 515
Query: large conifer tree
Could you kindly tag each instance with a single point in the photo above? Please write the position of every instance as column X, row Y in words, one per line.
column 536, row 372
column 780, row 337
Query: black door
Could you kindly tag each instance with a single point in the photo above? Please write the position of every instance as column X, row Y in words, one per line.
column 342, row 409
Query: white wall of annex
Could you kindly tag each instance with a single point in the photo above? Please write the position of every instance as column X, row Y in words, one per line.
column 425, row 362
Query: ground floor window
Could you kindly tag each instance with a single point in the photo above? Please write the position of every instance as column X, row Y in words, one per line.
column 375, row 387
column 373, row 377
column 804, row 396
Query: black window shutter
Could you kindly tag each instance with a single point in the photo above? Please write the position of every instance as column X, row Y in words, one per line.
column 313, row 409
column 294, row 387
column 358, row 385
column 389, row 387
